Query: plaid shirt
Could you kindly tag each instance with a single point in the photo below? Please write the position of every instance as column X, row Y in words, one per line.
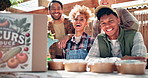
column 139, row 49
column 68, row 30
column 80, row 45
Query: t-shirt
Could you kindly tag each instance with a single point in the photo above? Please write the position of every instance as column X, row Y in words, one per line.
column 59, row 30
column 77, row 39
column 116, row 52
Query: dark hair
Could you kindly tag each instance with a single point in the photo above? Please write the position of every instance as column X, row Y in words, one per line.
column 54, row 1
column 105, row 11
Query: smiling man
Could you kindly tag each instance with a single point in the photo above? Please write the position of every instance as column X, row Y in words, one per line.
column 59, row 26
column 116, row 42
column 127, row 20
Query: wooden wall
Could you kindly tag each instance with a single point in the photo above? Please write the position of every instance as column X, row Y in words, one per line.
column 142, row 17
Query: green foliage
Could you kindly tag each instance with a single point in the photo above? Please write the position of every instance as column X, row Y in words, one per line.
column 4, row 4
column 15, row 2
column 8, row 3
column 50, row 35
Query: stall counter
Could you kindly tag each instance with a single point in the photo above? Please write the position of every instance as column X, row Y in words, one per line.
column 65, row 74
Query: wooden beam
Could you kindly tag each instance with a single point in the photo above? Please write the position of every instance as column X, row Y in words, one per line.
column 121, row 1
column 43, row 3
column 88, row 3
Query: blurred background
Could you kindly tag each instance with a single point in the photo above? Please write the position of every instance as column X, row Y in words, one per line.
column 139, row 8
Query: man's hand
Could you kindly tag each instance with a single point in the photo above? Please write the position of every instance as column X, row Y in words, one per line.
column 63, row 41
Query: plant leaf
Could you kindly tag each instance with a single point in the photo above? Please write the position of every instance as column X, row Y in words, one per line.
column 11, row 22
column 27, row 25
column 22, row 21
column 28, row 40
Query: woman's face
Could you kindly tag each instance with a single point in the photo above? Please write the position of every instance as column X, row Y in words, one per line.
column 107, row 2
column 80, row 22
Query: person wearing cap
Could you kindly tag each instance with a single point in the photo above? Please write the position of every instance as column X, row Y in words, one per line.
column 116, row 41
column 59, row 26
column 79, row 45
column 127, row 20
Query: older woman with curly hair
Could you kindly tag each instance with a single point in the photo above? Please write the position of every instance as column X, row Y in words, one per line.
column 78, row 46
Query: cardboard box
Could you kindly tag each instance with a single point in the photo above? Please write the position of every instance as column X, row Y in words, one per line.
column 23, row 42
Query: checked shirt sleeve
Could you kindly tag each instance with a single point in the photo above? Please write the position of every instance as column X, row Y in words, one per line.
column 139, row 49
column 94, row 50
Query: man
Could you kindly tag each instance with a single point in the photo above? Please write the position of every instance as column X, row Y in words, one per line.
column 60, row 26
column 127, row 20
column 116, row 42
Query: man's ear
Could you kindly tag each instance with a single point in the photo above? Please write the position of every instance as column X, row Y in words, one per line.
column 118, row 19
column 49, row 12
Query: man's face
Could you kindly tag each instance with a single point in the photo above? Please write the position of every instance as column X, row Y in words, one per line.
column 110, row 25
column 56, row 11
column 106, row 2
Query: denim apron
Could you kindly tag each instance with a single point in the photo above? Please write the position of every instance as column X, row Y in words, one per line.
column 77, row 54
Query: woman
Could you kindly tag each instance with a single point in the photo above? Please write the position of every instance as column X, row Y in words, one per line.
column 78, row 46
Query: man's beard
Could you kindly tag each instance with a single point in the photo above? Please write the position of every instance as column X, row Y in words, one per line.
column 55, row 18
